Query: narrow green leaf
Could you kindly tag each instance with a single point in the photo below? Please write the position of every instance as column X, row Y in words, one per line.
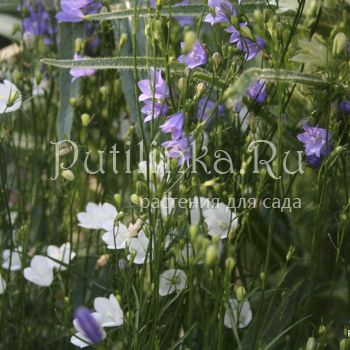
column 236, row 91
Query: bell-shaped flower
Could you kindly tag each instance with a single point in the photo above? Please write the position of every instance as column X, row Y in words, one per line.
column 109, row 311
column 10, row 97
column 117, row 237
column 98, row 216
column 220, row 220
column 2, row 285
column 138, row 248
column 197, row 208
column 88, row 327
column 40, row 271
column 172, row 280
column 12, row 261
column 238, row 314
column 62, row 254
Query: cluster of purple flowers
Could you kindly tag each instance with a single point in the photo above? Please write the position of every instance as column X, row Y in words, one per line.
column 222, row 11
column 73, row 11
column 317, row 142
column 77, row 73
column 257, row 91
column 37, row 21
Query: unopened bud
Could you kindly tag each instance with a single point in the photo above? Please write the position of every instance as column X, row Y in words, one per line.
column 290, row 253
column 29, row 40
column 193, row 232
column 182, row 85
column 200, row 88
column 68, row 175
column 211, row 254
column 118, row 199
column 339, row 43
column 189, row 39
column 230, row 264
column 78, row 44
column 240, row 293
column 85, row 119
column 311, row 344
column 322, row 330
column 123, row 39
column 217, row 59
column 344, row 344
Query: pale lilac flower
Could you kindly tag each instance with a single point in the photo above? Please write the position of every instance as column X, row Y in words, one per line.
column 207, row 108
column 108, row 311
column 315, row 140
column 77, row 73
column 88, row 326
column 179, row 149
column 153, row 88
column 249, row 47
column 257, row 91
column 154, row 110
column 40, row 271
column 12, row 261
column 172, row 280
column 223, row 11
column 195, row 57
column 238, row 314
column 63, row 254
column 73, row 11
column 345, row 106
column 174, row 125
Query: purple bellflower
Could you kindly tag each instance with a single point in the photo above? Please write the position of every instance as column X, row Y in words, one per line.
column 223, row 11
column 155, row 87
column 257, row 92
column 154, row 110
column 195, row 57
column 249, row 47
column 315, row 140
column 174, row 125
column 88, row 324
column 77, row 73
column 179, row 149
column 73, row 11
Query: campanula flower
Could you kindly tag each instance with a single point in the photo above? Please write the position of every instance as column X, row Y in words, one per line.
column 40, row 271
column 154, row 110
column 238, row 314
column 171, row 281
column 12, row 260
column 10, row 97
column 2, row 285
column 249, row 47
column 174, row 125
column 88, row 326
column 315, row 140
column 222, row 12
column 63, row 254
column 108, row 311
column 195, row 57
column 73, row 11
column 257, row 92
column 179, row 149
column 153, row 88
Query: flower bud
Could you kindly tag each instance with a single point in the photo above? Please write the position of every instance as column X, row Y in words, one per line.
column 247, row 33
column 339, row 43
column 29, row 40
column 73, row 101
column 85, row 119
column 230, row 264
column 211, row 254
column 344, row 344
column 322, row 330
column 200, row 88
column 217, row 59
column 193, row 232
column 182, row 85
column 78, row 44
column 68, row 175
column 189, row 39
column 123, row 39
column 118, row 199
column 134, row 199
column 240, row 293
column 311, row 344
column 290, row 253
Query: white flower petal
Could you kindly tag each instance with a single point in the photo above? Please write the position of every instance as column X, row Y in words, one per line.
column 40, row 271
column 171, row 280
